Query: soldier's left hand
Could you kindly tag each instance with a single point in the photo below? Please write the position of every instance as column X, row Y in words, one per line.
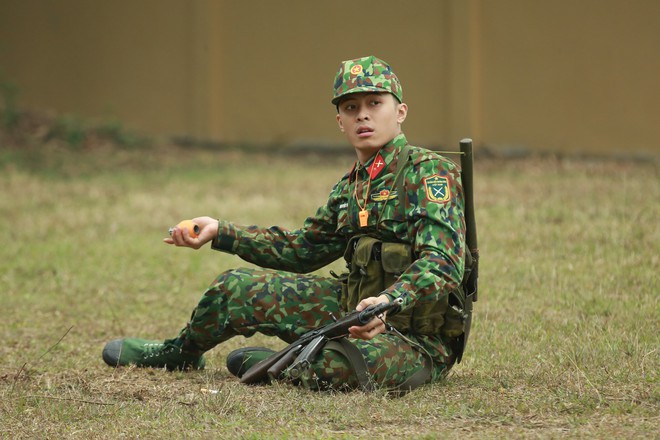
column 373, row 327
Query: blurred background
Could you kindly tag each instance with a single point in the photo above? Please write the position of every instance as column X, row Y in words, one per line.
column 567, row 75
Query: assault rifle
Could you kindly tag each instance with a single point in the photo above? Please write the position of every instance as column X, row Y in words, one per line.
column 295, row 359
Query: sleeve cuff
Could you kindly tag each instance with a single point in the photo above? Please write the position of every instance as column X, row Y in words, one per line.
column 226, row 240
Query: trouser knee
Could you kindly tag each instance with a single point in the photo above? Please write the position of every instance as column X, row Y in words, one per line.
column 245, row 301
column 238, row 288
column 331, row 370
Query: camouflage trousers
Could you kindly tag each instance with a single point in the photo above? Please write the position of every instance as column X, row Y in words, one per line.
column 286, row 305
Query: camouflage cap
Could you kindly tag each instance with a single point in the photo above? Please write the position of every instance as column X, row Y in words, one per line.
column 367, row 74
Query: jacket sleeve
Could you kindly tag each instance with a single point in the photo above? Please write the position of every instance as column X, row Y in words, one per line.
column 303, row 250
column 435, row 214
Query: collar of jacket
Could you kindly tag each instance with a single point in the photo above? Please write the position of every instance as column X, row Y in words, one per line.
column 387, row 154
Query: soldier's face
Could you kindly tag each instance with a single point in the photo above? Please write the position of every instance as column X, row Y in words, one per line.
column 370, row 120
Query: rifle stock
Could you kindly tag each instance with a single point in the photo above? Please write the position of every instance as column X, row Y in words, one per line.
column 305, row 357
column 288, row 357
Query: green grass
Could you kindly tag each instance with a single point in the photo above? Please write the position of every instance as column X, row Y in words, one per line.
column 564, row 342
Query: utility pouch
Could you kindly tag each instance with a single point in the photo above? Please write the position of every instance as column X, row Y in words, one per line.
column 373, row 267
column 396, row 257
column 450, row 316
column 365, row 276
column 455, row 316
column 460, row 301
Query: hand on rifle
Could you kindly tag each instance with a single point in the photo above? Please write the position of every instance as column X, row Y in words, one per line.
column 373, row 327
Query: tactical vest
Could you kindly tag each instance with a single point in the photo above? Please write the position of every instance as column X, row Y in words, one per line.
column 375, row 265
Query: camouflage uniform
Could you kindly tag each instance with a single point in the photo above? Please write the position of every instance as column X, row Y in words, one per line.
column 285, row 300
column 281, row 301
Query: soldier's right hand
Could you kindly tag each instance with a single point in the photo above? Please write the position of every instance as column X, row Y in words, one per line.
column 373, row 327
column 208, row 230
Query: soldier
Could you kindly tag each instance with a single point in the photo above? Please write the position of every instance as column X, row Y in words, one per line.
column 396, row 217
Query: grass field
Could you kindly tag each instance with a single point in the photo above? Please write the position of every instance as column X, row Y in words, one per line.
column 564, row 342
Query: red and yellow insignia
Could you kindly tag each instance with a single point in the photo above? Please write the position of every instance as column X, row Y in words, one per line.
column 437, row 189
column 356, row 70
column 376, row 167
column 383, row 195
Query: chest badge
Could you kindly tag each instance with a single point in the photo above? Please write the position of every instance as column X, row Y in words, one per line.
column 383, row 195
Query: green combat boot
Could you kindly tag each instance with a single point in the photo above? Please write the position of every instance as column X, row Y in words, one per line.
column 154, row 354
column 239, row 361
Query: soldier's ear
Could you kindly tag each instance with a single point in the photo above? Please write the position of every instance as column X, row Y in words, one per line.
column 402, row 112
column 340, row 124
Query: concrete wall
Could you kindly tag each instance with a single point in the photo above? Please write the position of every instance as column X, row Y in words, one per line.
column 578, row 75
column 562, row 75
column 97, row 58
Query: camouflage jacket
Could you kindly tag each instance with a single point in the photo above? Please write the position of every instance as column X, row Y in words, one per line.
column 433, row 224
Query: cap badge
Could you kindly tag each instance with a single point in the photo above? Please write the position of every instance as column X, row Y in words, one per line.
column 356, row 70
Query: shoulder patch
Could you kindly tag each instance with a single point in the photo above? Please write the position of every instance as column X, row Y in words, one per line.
column 437, row 188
